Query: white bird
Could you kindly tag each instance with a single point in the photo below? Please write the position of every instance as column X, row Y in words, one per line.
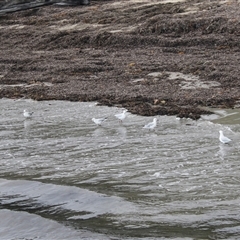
column 121, row 116
column 99, row 121
column 151, row 125
column 27, row 114
column 223, row 139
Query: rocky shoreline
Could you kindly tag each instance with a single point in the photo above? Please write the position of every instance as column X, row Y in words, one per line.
column 151, row 57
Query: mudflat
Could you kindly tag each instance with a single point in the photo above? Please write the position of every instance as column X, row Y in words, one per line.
column 152, row 57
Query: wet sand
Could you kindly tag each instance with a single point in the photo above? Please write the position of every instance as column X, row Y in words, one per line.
column 151, row 57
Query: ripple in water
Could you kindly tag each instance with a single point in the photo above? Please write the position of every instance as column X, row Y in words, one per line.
column 176, row 181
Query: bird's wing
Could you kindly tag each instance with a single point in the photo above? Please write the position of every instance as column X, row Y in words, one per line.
column 148, row 125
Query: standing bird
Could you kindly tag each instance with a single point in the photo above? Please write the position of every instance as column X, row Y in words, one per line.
column 121, row 116
column 99, row 121
column 27, row 114
column 151, row 125
column 223, row 139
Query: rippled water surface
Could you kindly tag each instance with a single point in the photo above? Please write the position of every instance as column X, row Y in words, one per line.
column 62, row 177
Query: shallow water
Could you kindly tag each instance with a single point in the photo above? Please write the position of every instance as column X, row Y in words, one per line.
column 62, row 177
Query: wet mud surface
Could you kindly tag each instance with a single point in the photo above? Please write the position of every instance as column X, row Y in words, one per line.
column 151, row 57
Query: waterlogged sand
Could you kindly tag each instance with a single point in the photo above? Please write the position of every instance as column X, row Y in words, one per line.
column 151, row 57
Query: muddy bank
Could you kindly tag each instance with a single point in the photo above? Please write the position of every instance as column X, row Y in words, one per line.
column 152, row 57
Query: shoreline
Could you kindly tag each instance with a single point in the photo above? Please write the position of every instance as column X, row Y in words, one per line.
column 153, row 58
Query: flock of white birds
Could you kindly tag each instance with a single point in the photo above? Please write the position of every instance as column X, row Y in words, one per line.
column 122, row 116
